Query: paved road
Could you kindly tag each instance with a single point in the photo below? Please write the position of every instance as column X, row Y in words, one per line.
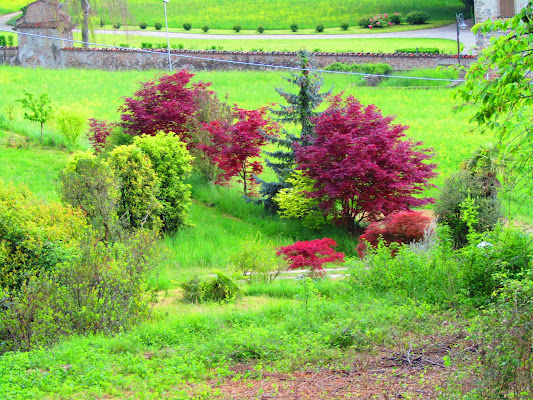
column 4, row 19
column 445, row 32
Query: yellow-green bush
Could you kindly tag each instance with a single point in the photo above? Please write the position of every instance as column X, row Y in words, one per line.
column 35, row 235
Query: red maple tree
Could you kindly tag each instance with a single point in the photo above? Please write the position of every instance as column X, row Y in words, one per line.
column 166, row 104
column 362, row 165
column 99, row 131
column 311, row 254
column 235, row 146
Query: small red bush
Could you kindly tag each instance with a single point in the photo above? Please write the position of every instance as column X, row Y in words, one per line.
column 312, row 253
column 401, row 227
column 99, row 130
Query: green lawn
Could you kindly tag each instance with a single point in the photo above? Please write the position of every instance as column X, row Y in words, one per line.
column 272, row 14
column 135, row 40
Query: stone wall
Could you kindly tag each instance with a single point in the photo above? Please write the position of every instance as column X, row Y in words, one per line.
column 117, row 60
column 8, row 55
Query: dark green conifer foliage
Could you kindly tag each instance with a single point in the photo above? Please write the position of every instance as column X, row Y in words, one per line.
column 300, row 111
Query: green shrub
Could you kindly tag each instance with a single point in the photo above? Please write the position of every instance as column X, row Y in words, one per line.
column 320, row 28
column 380, row 68
column 104, row 289
column 294, row 27
column 395, row 19
column 171, row 162
column 413, row 50
column 117, row 25
column 456, row 189
column 417, row 17
column 35, row 236
column 345, row 26
column 138, row 206
column 143, row 25
column 101, row 22
column 205, row 28
column 187, row 26
column 87, row 182
column 260, row 29
column 237, row 28
column 364, row 22
column 158, row 26
column 3, row 42
column 10, row 40
column 145, row 45
column 257, row 259
column 124, row 45
column 71, row 121
column 217, row 288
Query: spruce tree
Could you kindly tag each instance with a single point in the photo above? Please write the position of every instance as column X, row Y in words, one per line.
column 299, row 111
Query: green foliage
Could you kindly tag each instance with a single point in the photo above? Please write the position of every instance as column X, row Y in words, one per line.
column 293, row 202
column 506, row 332
column 205, row 28
column 456, row 190
column 237, row 28
column 146, row 45
column 35, row 236
column 417, row 17
column 3, row 42
column 117, row 25
column 345, row 26
column 101, row 290
column 37, row 110
column 217, row 288
column 70, row 122
column 187, row 26
column 294, row 27
column 379, row 68
column 428, row 274
column 257, row 259
column 319, row 28
column 422, row 73
column 89, row 183
column 260, row 29
column 138, row 205
column 143, row 25
column 171, row 162
column 158, row 26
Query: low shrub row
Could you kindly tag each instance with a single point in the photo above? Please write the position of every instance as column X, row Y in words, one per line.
column 379, row 69
column 383, row 20
column 8, row 41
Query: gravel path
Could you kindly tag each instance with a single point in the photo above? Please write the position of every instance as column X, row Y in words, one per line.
column 444, row 32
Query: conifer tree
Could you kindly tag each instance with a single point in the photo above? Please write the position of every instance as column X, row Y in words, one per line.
column 299, row 111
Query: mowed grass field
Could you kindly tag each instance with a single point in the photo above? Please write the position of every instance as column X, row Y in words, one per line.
column 272, row 14
column 389, row 45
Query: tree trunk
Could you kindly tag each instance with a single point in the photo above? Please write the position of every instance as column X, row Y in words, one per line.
column 85, row 7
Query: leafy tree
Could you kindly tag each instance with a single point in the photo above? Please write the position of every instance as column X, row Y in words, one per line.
column 499, row 86
column 167, row 104
column 71, row 123
column 300, row 111
column 38, row 110
column 234, row 146
column 172, row 164
column 362, row 166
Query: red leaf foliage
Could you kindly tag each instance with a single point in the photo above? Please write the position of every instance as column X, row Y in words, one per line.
column 167, row 104
column 362, row 165
column 312, row 253
column 235, row 144
column 99, row 130
column 401, row 227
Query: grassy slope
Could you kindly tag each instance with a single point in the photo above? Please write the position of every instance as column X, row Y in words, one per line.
column 272, row 44
column 273, row 14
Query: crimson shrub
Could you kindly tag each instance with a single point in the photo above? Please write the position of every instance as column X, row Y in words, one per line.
column 312, row 253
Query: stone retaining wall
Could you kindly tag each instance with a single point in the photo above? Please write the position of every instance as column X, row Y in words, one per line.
column 116, row 60
column 8, row 55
